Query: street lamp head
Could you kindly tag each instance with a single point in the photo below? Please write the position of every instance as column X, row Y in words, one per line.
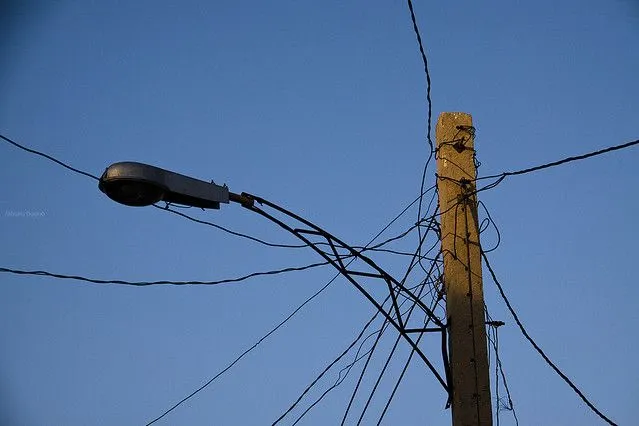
column 137, row 184
column 131, row 193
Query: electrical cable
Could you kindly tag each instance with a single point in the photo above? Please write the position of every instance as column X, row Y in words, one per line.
column 399, row 380
column 415, row 255
column 431, row 226
column 430, row 107
column 499, row 370
column 493, row 339
column 255, row 345
column 401, row 376
column 162, row 282
column 363, row 372
column 501, row 176
column 394, row 348
column 308, row 388
column 490, row 220
column 426, row 71
column 370, row 353
column 48, row 157
column 538, row 349
column 380, row 376
column 430, row 221
column 399, row 253
column 437, row 297
column 347, row 368
column 221, row 228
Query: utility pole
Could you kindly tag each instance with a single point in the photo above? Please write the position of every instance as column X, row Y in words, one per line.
column 456, row 174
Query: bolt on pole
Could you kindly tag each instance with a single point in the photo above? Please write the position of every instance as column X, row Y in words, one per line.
column 456, row 173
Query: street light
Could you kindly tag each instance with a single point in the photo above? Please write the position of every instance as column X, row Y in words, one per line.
column 137, row 184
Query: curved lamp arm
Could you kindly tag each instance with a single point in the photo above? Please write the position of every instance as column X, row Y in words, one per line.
column 336, row 259
column 139, row 184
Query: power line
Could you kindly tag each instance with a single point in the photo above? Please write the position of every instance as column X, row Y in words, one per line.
column 243, row 354
column 489, row 221
column 308, row 388
column 409, row 313
column 500, row 177
column 347, row 369
column 399, row 253
column 382, row 330
column 235, row 233
column 163, row 282
column 430, row 107
column 399, row 380
column 538, row 349
column 402, row 374
column 363, row 372
column 416, row 256
column 431, row 226
column 395, row 345
column 48, row 157
column 500, row 368
column 426, row 71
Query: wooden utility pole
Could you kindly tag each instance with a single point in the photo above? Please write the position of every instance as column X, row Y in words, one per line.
column 456, row 169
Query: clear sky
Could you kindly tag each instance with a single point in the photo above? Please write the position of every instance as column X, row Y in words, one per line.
column 320, row 107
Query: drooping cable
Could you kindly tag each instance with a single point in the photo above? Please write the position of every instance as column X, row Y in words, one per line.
column 434, row 264
column 347, row 369
column 48, row 157
column 161, row 282
column 394, row 348
column 501, row 176
column 367, row 362
column 362, row 374
column 499, row 374
column 221, row 228
column 243, row 354
column 489, row 220
column 308, row 388
column 399, row 380
column 357, row 357
column 405, row 368
column 429, row 102
column 538, row 349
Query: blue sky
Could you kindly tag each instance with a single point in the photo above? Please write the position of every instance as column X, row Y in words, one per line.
column 320, row 108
